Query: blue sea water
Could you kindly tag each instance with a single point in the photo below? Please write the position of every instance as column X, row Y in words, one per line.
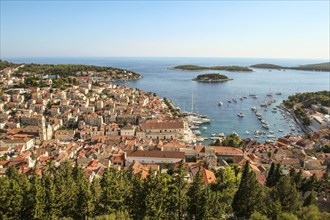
column 179, row 87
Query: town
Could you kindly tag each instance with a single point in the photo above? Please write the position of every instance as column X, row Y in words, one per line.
column 95, row 124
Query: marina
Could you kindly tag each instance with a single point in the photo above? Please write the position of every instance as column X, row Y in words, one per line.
column 177, row 86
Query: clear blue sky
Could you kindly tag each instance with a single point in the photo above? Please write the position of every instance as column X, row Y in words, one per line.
column 273, row 29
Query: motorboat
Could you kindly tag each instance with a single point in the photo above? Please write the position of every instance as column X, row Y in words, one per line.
column 247, row 132
column 280, row 130
column 241, row 115
column 253, row 108
column 220, row 104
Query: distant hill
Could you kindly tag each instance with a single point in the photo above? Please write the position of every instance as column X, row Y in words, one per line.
column 314, row 67
column 266, row 66
column 225, row 68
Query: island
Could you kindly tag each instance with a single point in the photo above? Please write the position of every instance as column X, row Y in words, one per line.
column 225, row 68
column 313, row 67
column 212, row 77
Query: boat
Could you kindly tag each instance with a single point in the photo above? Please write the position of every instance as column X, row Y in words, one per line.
column 220, row 104
column 234, row 100
column 247, row 132
column 212, row 135
column 265, row 126
column 269, row 141
column 245, row 97
column 256, row 136
column 278, row 93
column 271, row 132
column 271, row 136
column 274, row 111
column 229, row 101
column 241, row 99
column 253, row 108
column 197, row 132
column 221, row 135
column 204, row 128
column 270, row 94
column 240, row 114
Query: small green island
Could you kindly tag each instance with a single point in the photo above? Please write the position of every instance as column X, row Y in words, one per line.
column 312, row 67
column 224, row 68
column 211, row 78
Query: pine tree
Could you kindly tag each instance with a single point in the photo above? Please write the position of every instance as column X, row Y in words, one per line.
column 51, row 207
column 178, row 192
column 96, row 192
column 14, row 200
column 285, row 191
column 270, row 176
column 226, row 186
column 277, row 174
column 247, row 198
column 137, row 199
column 156, row 189
column 38, row 197
column 310, row 199
column 83, row 202
column 66, row 190
column 196, row 198
column 114, row 193
column 4, row 189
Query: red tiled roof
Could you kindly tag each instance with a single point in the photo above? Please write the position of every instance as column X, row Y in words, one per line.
column 160, row 154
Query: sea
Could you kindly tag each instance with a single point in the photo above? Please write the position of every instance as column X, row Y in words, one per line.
column 203, row 98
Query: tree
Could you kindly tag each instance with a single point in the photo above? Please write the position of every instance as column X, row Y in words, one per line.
column 14, row 200
column 83, row 203
column 310, row 199
column 156, row 189
column 38, row 196
column 51, row 207
column 286, row 193
column 247, row 198
column 287, row 216
column 311, row 212
column 258, row 216
column 226, row 186
column 196, row 198
column 96, row 192
column 270, row 176
column 178, row 192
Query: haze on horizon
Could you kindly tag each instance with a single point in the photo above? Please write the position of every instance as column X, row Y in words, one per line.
column 252, row 29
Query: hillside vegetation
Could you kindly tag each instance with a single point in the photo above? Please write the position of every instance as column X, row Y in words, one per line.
column 212, row 77
column 225, row 68
column 314, row 67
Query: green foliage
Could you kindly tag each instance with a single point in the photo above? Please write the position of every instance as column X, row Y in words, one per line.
column 64, row 192
column 309, row 98
column 266, row 66
column 316, row 67
column 258, row 216
column 214, row 77
column 286, row 193
column 287, row 216
column 226, row 68
column 247, row 198
column 232, row 140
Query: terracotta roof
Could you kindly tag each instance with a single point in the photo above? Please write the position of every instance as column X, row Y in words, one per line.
column 208, row 176
column 160, row 154
column 221, row 150
column 162, row 125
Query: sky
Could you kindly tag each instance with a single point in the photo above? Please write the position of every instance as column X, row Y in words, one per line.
column 252, row 29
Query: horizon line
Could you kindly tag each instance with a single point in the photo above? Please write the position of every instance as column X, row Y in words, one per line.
column 47, row 57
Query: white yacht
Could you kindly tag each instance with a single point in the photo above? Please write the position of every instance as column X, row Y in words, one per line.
column 241, row 115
